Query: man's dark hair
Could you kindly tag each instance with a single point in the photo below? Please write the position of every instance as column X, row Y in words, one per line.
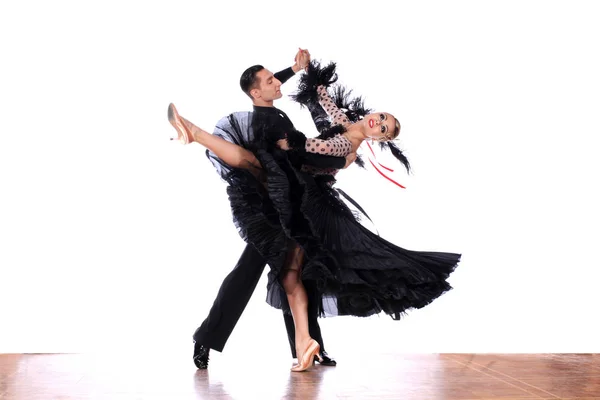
column 248, row 80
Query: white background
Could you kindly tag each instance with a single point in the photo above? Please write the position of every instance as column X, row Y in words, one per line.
column 114, row 238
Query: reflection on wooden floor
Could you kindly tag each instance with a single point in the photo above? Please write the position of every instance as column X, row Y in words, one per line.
column 367, row 376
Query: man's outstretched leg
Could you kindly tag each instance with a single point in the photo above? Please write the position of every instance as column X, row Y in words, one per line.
column 233, row 296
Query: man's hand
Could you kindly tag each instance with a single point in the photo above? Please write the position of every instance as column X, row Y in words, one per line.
column 350, row 158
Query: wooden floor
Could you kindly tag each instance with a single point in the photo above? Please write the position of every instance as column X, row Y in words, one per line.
column 367, row 376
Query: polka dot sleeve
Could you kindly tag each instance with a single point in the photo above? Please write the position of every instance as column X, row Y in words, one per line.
column 320, row 146
column 338, row 116
column 337, row 146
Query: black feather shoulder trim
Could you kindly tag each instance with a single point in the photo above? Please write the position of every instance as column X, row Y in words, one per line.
column 314, row 77
column 354, row 108
column 331, row 132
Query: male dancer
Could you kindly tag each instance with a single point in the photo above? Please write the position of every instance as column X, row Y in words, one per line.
column 263, row 88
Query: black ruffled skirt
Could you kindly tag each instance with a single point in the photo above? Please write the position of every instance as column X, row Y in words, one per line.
column 355, row 272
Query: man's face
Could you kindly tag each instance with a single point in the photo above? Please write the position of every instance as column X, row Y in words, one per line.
column 268, row 87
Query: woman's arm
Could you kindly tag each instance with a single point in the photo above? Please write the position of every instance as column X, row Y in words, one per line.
column 319, row 153
column 337, row 115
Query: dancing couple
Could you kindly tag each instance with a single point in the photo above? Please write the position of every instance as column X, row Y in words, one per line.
column 281, row 188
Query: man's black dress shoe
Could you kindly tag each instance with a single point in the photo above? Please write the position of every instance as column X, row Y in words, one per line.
column 327, row 361
column 201, row 356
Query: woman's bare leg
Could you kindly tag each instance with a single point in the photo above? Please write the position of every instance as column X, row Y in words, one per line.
column 297, row 298
column 232, row 154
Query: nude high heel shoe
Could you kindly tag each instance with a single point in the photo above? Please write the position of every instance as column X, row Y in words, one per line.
column 308, row 357
column 183, row 134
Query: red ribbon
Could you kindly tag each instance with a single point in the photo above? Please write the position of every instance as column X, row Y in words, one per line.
column 383, row 166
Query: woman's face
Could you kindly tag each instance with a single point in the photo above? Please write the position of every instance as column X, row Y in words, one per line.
column 380, row 126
